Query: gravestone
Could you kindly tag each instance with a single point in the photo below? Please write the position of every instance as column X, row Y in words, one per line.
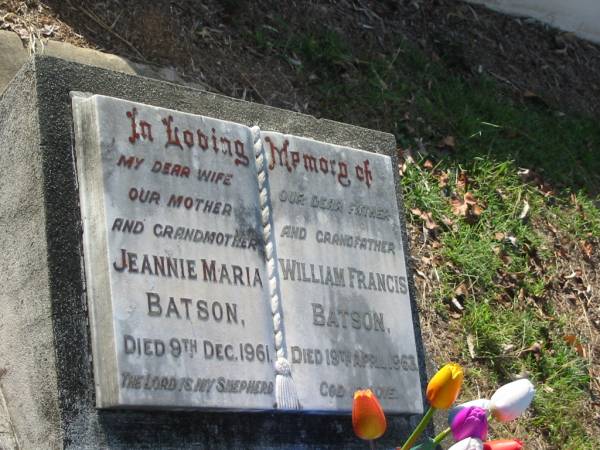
column 179, row 265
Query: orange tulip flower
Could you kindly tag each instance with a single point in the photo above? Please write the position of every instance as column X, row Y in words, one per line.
column 368, row 419
column 444, row 387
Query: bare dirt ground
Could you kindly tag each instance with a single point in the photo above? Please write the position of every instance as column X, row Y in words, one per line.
column 211, row 40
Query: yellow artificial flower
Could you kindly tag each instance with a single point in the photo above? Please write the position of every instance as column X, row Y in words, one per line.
column 444, row 387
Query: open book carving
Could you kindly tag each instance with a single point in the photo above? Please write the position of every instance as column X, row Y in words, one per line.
column 234, row 268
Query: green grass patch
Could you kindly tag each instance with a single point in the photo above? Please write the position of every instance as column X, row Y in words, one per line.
column 562, row 381
column 577, row 215
column 421, row 190
column 502, row 337
column 562, row 148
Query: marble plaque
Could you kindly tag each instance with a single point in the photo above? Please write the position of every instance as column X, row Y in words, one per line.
column 342, row 274
column 173, row 258
column 184, row 295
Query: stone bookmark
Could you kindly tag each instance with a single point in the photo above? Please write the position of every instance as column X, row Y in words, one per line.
column 285, row 390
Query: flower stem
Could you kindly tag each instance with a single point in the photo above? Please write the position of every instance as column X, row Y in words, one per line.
column 440, row 437
column 419, row 430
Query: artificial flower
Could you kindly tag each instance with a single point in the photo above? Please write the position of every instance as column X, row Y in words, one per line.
column 368, row 419
column 468, row 444
column 470, row 422
column 503, row 444
column 482, row 403
column 444, row 387
column 510, row 400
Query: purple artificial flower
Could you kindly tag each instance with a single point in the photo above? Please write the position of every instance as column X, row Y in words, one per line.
column 470, row 422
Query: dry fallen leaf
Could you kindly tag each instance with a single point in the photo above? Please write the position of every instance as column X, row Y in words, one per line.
column 48, row 30
column 448, row 222
column 587, row 248
column 574, row 200
column 402, row 169
column 525, row 210
column 470, row 199
column 575, row 274
column 507, row 348
column 443, row 179
column 406, row 159
column 454, row 302
column 467, row 206
column 476, row 210
column 535, row 349
column 459, row 207
column 502, row 255
column 533, row 97
column 449, row 142
column 461, row 290
column 421, row 274
column 428, row 164
column 471, row 345
column 426, row 217
column 462, row 181
column 552, row 228
column 572, row 341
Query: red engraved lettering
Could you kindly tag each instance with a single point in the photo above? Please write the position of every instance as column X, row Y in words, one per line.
column 364, row 173
column 146, row 128
column 134, row 134
column 283, row 154
column 343, row 174
column 202, row 140
column 188, row 138
column 172, row 133
column 240, row 153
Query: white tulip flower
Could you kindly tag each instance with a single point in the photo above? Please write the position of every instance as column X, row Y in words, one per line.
column 468, row 444
column 510, row 400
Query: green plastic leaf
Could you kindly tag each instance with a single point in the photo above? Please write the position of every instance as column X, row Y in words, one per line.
column 429, row 445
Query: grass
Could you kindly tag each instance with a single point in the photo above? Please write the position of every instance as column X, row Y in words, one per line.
column 504, row 261
column 585, row 221
column 502, row 312
column 559, row 374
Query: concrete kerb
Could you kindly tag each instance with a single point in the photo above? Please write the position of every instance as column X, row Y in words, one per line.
column 14, row 55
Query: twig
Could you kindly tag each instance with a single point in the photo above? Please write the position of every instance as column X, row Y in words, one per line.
column 504, row 80
column 106, row 27
column 393, row 61
column 252, row 86
column 117, row 19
